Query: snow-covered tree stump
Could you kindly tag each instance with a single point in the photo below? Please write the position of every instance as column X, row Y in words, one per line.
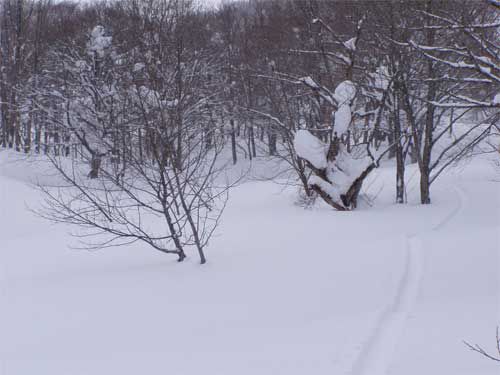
column 337, row 175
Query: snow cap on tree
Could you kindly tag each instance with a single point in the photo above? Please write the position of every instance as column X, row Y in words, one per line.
column 310, row 148
column 98, row 41
column 343, row 119
column 345, row 92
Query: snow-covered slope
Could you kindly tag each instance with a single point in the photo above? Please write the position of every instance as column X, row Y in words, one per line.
column 383, row 290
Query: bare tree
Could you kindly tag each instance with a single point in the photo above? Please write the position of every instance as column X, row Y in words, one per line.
column 141, row 123
column 453, row 73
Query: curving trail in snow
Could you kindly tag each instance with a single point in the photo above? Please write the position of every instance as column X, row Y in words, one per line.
column 377, row 353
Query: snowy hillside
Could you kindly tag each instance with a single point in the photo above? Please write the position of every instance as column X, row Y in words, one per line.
column 382, row 290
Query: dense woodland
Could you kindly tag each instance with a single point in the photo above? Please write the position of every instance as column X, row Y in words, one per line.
column 144, row 105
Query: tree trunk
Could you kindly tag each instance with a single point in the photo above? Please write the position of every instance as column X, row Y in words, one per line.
column 272, row 142
column 398, row 151
column 303, row 178
column 350, row 198
column 429, row 122
column 251, row 135
column 233, row 142
column 95, row 166
column 27, row 139
column 425, row 196
column 392, row 137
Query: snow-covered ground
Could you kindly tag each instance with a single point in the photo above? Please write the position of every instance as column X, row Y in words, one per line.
column 384, row 290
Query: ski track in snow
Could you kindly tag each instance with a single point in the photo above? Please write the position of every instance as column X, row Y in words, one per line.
column 376, row 355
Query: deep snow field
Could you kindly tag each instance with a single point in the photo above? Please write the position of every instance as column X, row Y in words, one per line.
column 383, row 290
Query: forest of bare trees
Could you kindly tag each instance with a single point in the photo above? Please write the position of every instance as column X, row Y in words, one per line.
column 142, row 105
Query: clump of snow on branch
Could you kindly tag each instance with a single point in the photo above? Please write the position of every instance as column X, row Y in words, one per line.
column 310, row 148
column 345, row 92
column 343, row 118
column 341, row 173
column 81, row 64
column 308, row 81
column 380, row 78
column 138, row 67
column 153, row 100
column 351, row 44
column 333, row 190
column 98, row 41
column 496, row 99
column 348, row 167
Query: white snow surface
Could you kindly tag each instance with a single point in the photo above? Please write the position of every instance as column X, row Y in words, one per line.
column 310, row 148
column 388, row 289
